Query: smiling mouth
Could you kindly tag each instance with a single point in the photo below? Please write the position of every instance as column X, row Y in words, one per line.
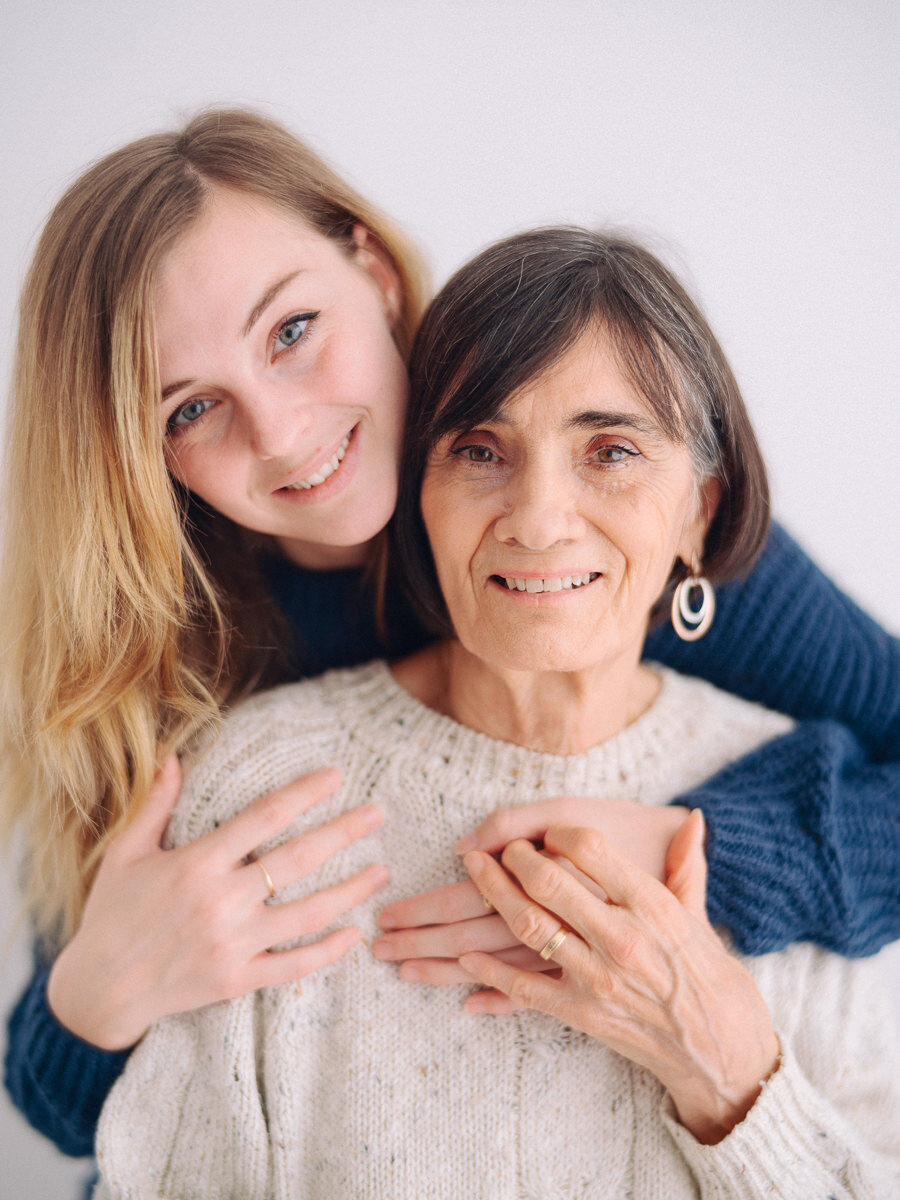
column 325, row 471
column 554, row 583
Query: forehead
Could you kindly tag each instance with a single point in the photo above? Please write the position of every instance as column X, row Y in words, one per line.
column 238, row 235
column 585, row 382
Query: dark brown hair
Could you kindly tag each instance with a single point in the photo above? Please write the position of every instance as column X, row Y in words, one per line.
column 512, row 313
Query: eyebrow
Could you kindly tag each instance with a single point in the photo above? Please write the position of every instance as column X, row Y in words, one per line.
column 266, row 299
column 602, row 419
column 255, row 313
column 590, row 419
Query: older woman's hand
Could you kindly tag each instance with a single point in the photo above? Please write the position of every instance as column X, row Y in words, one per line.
column 643, row 972
column 428, row 933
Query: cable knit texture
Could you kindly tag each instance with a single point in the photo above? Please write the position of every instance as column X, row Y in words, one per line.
column 816, row 824
column 362, row 1085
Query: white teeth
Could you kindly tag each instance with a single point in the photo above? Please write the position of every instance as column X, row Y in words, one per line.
column 557, row 583
column 326, row 469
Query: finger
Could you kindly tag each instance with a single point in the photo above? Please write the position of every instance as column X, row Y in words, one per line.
column 490, row 1002
column 528, row 921
column 444, row 971
column 306, row 853
column 312, row 914
column 625, row 884
column 526, row 989
column 550, row 884
column 686, row 864
column 145, row 831
column 444, row 941
column 529, row 821
column 455, row 902
column 269, row 969
column 272, row 813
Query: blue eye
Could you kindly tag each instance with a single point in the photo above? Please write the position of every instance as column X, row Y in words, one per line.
column 290, row 333
column 610, row 455
column 188, row 414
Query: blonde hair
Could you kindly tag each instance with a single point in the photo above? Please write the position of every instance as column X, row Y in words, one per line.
column 122, row 630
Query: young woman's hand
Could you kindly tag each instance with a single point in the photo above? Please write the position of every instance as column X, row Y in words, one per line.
column 165, row 931
column 642, row 971
column 428, row 933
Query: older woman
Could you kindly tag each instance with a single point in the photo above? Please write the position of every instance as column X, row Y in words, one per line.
column 584, row 462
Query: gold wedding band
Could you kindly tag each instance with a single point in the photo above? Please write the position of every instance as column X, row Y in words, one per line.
column 487, row 904
column 554, row 944
column 267, row 877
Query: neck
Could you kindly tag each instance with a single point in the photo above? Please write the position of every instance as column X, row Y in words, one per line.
column 553, row 712
column 325, row 558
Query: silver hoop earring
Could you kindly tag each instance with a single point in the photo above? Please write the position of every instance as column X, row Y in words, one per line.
column 690, row 624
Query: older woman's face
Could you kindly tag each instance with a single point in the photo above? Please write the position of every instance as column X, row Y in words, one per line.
column 555, row 526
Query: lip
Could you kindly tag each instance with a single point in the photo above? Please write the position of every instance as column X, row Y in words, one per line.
column 336, row 481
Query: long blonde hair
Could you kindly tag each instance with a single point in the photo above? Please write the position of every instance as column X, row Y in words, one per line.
column 122, row 630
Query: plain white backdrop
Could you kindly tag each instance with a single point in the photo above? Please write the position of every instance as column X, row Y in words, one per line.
column 754, row 144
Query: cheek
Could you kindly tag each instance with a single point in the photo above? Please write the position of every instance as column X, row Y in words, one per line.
column 648, row 530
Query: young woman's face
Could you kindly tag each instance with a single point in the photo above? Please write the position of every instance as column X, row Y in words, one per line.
column 284, row 393
column 555, row 526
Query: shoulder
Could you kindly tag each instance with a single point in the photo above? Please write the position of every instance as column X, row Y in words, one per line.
column 269, row 740
column 700, row 704
column 706, row 728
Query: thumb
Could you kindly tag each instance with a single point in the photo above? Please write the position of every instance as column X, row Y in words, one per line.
column 144, row 833
column 686, row 864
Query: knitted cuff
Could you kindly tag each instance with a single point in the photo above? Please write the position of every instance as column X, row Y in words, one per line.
column 63, row 1081
column 790, row 1144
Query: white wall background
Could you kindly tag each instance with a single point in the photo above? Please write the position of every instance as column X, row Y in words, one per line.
column 756, row 143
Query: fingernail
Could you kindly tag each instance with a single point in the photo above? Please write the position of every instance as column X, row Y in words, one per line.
column 371, row 815
column 379, row 875
column 386, row 921
column 383, row 949
column 410, row 973
column 474, row 864
column 474, row 1004
column 702, row 819
column 469, row 842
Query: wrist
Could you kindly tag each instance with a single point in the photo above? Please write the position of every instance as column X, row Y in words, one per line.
column 93, row 1014
column 710, row 1110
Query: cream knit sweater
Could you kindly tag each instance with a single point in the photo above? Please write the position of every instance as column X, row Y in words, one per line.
column 362, row 1085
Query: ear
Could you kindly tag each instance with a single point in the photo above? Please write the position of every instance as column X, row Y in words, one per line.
column 372, row 255
column 693, row 535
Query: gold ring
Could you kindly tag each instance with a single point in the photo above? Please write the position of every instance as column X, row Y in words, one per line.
column 267, row 877
column 554, row 944
column 487, row 904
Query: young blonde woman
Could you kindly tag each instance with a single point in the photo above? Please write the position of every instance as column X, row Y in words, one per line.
column 203, row 453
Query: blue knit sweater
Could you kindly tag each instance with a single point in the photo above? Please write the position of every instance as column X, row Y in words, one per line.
column 804, row 834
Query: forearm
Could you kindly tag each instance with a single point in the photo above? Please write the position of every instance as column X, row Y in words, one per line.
column 58, row 1082
column 804, row 845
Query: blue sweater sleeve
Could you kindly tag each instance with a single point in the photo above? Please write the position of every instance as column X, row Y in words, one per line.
column 55, row 1079
column 805, row 834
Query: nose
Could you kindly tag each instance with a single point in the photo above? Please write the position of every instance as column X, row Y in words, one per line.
column 541, row 508
column 275, row 422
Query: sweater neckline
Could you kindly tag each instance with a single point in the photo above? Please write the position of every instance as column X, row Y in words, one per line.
column 394, row 714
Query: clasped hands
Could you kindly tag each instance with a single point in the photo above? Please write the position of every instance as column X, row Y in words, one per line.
column 639, row 966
